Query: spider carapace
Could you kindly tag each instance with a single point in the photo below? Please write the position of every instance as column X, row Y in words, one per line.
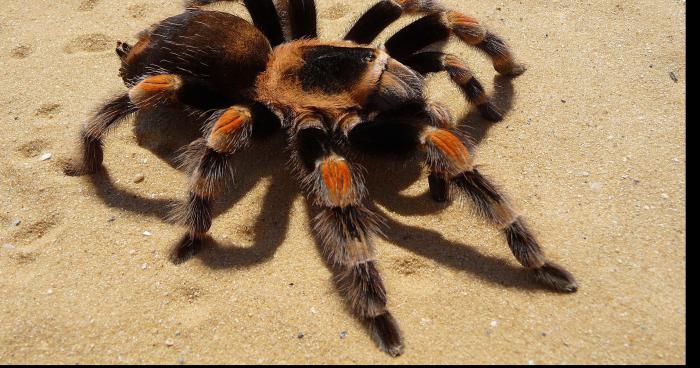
column 331, row 99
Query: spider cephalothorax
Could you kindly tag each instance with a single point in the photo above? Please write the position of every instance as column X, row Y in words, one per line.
column 332, row 99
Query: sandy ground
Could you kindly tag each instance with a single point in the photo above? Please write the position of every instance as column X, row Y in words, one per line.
column 592, row 150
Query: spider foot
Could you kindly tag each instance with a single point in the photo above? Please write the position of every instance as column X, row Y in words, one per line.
column 122, row 49
column 72, row 168
column 511, row 70
column 185, row 249
column 387, row 334
column 556, row 277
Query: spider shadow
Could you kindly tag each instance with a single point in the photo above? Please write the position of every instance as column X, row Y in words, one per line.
column 474, row 125
column 164, row 131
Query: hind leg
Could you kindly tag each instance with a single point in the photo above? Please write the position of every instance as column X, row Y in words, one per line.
column 107, row 116
column 150, row 92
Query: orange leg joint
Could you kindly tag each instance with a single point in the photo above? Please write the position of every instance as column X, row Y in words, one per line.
column 156, row 89
column 337, row 180
column 228, row 128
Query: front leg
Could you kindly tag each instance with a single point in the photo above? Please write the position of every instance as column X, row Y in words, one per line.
column 450, row 159
column 344, row 228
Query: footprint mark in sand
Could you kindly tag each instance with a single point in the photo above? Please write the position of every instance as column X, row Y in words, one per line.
column 139, row 11
column 48, row 110
column 32, row 148
column 21, row 52
column 88, row 5
column 34, row 231
column 336, row 11
column 23, row 257
column 409, row 265
column 191, row 293
column 93, row 42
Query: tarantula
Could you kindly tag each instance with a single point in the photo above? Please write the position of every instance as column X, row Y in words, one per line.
column 331, row 98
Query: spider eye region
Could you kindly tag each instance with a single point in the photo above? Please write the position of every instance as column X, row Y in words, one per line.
column 332, row 69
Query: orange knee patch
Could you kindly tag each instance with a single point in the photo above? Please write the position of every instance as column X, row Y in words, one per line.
column 226, row 127
column 337, row 179
column 452, row 148
column 155, row 89
column 465, row 27
column 160, row 82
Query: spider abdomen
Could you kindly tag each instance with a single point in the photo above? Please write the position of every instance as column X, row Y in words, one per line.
column 217, row 54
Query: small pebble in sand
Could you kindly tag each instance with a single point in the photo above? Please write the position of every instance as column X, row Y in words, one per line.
column 144, row 266
column 596, row 185
column 343, row 334
column 494, row 323
column 530, row 362
column 112, row 219
column 169, row 342
column 50, row 291
column 45, row 156
column 664, row 196
column 181, row 361
column 301, row 335
column 139, row 178
column 673, row 77
column 147, row 233
column 16, row 222
column 132, row 252
column 8, row 247
column 314, row 310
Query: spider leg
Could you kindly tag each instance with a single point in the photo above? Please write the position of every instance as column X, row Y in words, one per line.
column 263, row 13
column 450, row 159
column 301, row 16
column 374, row 21
column 208, row 162
column 433, row 62
column 110, row 114
column 344, row 228
column 439, row 26
column 148, row 93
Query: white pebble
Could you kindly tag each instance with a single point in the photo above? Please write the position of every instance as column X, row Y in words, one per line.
column 147, row 233
column 596, row 185
column 50, row 291
column 139, row 178
column 314, row 310
column 494, row 323
column 144, row 266
column 169, row 342
column 664, row 196
column 16, row 222
column 45, row 156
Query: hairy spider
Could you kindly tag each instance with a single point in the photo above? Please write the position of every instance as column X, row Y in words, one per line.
column 331, row 98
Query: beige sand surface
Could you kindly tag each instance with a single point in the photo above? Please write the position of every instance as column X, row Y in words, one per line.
column 592, row 150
